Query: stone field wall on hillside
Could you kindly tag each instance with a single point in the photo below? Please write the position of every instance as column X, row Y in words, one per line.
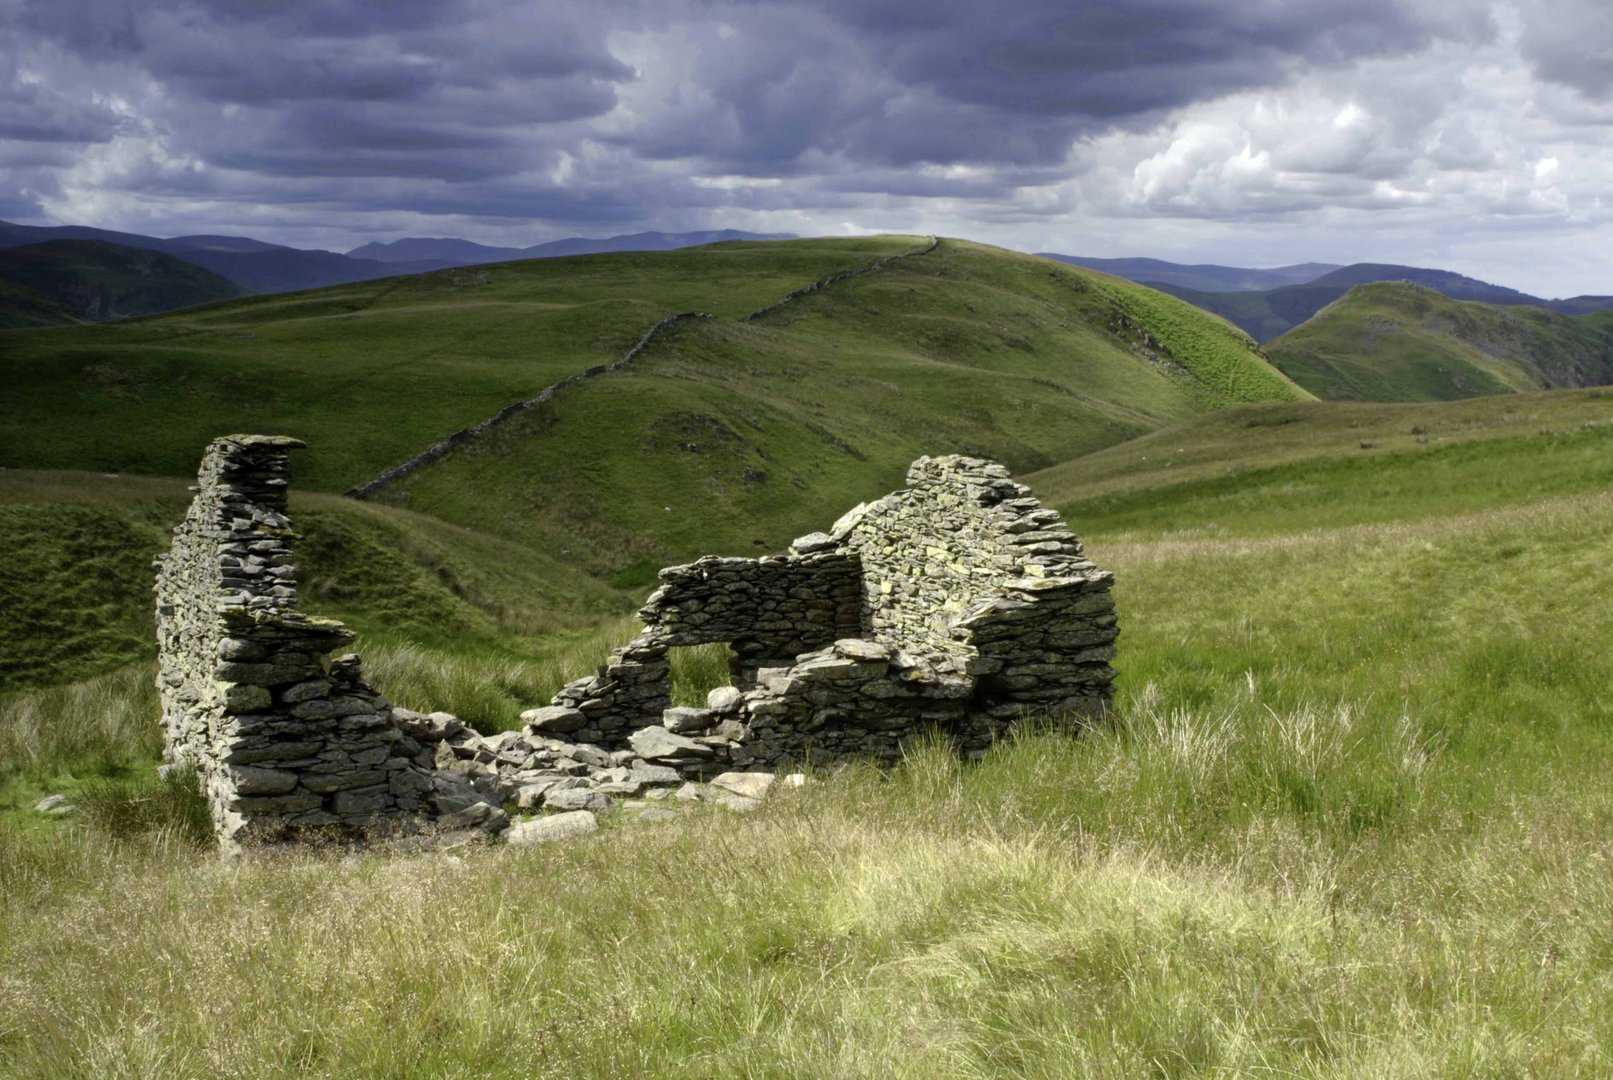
column 957, row 605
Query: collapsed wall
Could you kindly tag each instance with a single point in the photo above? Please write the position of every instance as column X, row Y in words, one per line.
column 958, row 604
column 286, row 741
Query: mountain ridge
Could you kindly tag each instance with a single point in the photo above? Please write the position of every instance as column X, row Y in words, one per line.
column 1401, row 341
column 261, row 267
column 458, row 252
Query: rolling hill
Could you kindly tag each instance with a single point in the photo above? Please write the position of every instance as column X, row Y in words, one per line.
column 23, row 308
column 448, row 251
column 1395, row 341
column 97, row 281
column 1268, row 313
column 764, row 425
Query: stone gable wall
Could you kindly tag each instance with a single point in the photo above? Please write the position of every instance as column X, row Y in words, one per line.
column 287, row 741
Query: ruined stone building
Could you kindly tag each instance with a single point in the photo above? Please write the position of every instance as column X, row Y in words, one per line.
column 957, row 604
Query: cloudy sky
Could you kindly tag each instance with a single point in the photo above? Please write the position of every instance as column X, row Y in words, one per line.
column 1472, row 136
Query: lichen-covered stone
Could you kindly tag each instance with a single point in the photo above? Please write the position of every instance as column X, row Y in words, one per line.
column 285, row 741
column 958, row 604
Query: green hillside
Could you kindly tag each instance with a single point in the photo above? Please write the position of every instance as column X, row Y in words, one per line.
column 1262, row 315
column 767, row 429
column 1394, row 341
column 724, row 435
column 374, row 372
column 760, row 427
column 97, row 281
column 1349, row 818
column 76, row 587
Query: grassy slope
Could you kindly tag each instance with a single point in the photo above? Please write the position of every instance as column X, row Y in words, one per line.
column 97, row 280
column 736, row 437
column 755, row 432
column 371, row 373
column 1394, row 341
column 77, row 584
column 1350, row 820
column 1233, row 442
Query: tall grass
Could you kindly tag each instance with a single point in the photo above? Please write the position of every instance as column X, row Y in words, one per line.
column 100, row 725
column 1349, row 818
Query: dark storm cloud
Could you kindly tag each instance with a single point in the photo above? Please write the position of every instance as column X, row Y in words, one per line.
column 1112, row 60
column 573, row 114
column 1570, row 42
column 952, row 82
column 31, row 112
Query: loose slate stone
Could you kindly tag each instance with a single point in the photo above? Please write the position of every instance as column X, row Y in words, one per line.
column 558, row 719
column 683, row 719
column 725, row 699
column 554, row 827
column 576, row 799
column 751, row 785
column 656, row 743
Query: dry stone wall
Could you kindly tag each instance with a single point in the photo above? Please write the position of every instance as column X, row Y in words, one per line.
column 288, row 742
column 958, row 604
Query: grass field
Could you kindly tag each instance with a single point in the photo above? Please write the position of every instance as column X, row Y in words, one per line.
column 1349, row 819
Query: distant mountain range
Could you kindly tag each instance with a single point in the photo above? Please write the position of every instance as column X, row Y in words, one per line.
column 1268, row 303
column 1203, row 277
column 452, row 252
column 249, row 265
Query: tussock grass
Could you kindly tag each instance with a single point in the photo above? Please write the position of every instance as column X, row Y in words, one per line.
column 1348, row 819
column 99, row 725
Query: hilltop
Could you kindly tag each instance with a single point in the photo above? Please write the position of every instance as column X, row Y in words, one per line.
column 261, row 267
column 1394, row 341
column 1267, row 313
column 450, row 251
